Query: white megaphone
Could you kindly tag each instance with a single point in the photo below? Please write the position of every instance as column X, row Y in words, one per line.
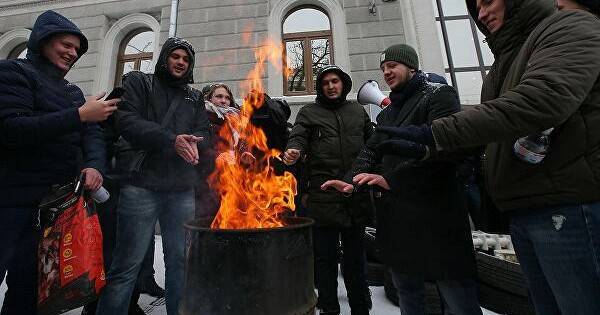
column 369, row 93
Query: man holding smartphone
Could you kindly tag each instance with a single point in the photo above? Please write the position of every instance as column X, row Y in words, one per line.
column 48, row 134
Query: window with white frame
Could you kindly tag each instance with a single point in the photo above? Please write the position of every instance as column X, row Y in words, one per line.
column 135, row 53
column 307, row 39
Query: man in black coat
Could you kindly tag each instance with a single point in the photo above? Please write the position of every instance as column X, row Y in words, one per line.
column 422, row 225
column 48, row 134
column 163, row 123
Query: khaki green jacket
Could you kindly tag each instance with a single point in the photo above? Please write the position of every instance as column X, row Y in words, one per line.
column 331, row 137
column 553, row 80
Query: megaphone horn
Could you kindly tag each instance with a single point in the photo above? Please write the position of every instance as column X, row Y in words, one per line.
column 369, row 93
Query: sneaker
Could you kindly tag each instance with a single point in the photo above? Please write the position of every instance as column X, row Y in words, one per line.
column 151, row 288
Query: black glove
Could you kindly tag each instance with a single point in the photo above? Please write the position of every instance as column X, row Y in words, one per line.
column 403, row 148
column 421, row 134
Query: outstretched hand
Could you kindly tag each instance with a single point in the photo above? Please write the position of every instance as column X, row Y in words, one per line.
column 291, row 156
column 338, row 185
column 371, row 180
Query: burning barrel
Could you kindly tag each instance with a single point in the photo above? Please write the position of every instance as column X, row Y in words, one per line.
column 266, row 271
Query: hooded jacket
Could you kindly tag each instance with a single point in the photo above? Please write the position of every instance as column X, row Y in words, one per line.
column 331, row 133
column 145, row 102
column 42, row 139
column 551, row 79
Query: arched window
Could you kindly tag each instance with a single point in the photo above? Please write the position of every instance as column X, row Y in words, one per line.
column 135, row 53
column 467, row 57
column 308, row 47
column 18, row 52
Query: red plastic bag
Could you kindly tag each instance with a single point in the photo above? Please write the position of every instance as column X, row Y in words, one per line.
column 70, row 262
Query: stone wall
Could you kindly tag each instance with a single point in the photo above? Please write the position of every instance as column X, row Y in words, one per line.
column 224, row 34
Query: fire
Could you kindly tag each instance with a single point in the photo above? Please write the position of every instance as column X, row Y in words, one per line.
column 252, row 195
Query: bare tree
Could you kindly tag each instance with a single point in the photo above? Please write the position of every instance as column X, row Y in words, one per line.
column 320, row 57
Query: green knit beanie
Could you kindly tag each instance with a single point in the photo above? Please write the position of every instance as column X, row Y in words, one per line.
column 401, row 53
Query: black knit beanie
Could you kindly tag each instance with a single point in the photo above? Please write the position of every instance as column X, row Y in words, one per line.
column 401, row 53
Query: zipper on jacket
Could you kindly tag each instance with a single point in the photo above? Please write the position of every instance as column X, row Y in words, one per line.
column 341, row 137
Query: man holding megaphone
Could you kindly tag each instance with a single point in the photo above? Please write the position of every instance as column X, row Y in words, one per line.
column 422, row 224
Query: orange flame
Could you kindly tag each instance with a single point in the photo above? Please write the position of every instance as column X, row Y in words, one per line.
column 252, row 195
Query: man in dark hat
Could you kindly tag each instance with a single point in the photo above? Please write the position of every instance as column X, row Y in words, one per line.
column 45, row 125
column 422, row 224
column 161, row 115
column 330, row 132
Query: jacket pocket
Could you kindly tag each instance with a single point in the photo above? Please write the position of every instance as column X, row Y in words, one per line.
column 130, row 161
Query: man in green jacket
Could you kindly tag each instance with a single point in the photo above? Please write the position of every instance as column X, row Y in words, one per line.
column 330, row 132
column 546, row 75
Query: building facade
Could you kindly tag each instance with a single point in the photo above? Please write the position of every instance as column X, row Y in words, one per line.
column 126, row 35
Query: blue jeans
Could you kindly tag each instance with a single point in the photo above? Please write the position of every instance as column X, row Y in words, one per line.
column 18, row 260
column 458, row 296
column 138, row 210
column 559, row 252
column 147, row 269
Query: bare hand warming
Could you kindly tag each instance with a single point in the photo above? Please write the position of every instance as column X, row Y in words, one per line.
column 338, row 185
column 291, row 156
column 186, row 147
column 371, row 179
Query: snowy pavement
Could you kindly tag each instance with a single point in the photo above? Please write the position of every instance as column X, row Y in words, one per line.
column 153, row 306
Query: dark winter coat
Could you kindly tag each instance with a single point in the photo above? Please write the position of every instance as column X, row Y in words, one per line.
column 546, row 74
column 331, row 133
column 145, row 102
column 422, row 224
column 42, row 139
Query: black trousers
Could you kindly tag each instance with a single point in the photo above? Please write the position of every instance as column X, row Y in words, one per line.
column 18, row 259
column 326, row 240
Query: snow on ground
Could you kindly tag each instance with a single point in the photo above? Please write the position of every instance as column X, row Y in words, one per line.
column 152, row 306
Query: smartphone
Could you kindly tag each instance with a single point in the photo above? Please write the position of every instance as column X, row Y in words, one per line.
column 116, row 93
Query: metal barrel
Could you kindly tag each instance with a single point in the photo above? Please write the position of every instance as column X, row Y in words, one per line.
column 252, row 271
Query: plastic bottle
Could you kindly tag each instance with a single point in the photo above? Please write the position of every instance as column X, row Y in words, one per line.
column 533, row 148
column 100, row 195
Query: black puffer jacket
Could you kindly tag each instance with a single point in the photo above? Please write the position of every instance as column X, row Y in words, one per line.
column 145, row 102
column 331, row 134
column 422, row 224
column 42, row 140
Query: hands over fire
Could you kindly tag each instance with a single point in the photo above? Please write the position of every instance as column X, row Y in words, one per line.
column 186, row 147
column 359, row 180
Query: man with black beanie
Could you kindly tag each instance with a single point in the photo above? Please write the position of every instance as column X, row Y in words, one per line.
column 422, row 224
column 163, row 124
